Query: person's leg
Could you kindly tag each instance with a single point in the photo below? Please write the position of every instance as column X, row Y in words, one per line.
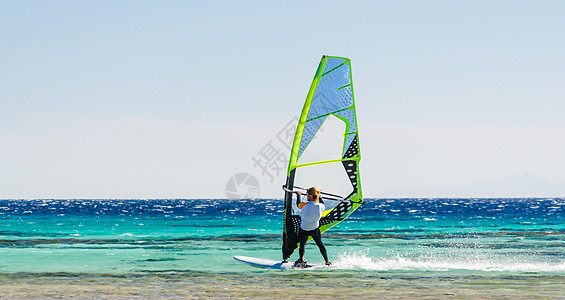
column 317, row 237
column 302, row 237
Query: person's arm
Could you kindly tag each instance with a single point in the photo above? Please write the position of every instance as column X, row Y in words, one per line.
column 299, row 202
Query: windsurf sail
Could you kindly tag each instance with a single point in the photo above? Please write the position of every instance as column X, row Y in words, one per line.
column 325, row 151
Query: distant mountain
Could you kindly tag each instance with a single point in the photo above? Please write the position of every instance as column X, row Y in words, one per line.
column 509, row 187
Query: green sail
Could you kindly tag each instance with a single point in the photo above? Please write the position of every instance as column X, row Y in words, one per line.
column 330, row 95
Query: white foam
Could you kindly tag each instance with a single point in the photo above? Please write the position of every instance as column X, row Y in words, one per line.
column 133, row 235
column 426, row 262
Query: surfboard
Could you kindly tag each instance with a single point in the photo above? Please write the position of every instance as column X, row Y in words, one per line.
column 268, row 263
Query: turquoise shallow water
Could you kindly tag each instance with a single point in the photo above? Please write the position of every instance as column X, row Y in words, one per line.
column 429, row 247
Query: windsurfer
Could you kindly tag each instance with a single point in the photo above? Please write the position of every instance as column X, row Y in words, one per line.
column 310, row 223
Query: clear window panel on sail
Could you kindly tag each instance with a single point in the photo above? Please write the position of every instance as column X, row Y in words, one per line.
column 320, row 162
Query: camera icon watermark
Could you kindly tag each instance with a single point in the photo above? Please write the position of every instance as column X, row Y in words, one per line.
column 242, row 186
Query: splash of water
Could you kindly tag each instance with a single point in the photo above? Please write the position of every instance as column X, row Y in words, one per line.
column 428, row 262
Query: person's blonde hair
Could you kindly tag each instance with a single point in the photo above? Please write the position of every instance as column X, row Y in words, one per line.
column 314, row 192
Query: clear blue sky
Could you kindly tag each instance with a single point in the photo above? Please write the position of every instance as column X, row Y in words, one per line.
column 153, row 99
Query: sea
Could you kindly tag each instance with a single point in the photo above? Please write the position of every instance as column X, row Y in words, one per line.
column 184, row 248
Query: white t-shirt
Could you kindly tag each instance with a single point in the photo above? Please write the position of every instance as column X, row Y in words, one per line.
column 311, row 214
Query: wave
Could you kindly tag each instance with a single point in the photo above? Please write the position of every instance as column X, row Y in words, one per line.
column 427, row 262
column 444, row 235
column 134, row 241
column 131, row 239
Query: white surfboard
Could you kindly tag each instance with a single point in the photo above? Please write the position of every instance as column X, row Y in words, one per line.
column 267, row 263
